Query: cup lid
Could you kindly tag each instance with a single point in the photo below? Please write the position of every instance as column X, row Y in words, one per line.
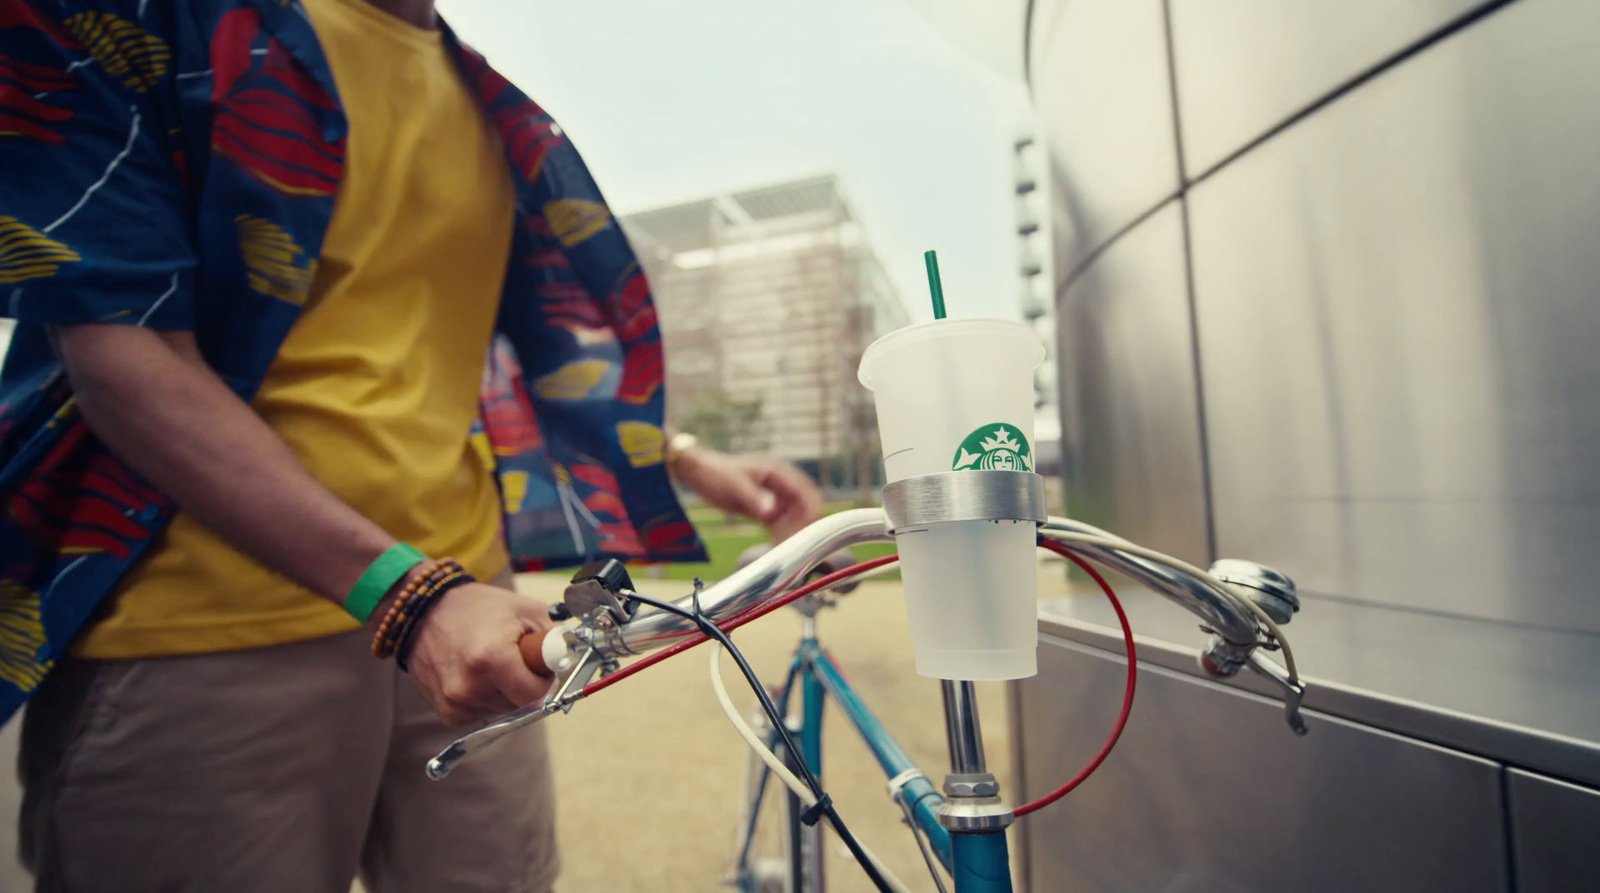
column 877, row 351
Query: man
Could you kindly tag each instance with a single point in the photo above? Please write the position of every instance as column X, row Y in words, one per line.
column 258, row 251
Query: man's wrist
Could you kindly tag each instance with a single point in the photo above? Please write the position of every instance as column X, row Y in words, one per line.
column 388, row 570
column 678, row 444
column 394, row 591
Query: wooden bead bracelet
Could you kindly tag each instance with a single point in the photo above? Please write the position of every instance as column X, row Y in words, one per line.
column 426, row 584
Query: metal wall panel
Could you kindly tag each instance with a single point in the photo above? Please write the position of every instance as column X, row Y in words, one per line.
column 1398, row 324
column 1245, row 66
column 1208, row 792
column 1555, row 834
column 1130, row 429
column 1100, row 78
column 1515, row 694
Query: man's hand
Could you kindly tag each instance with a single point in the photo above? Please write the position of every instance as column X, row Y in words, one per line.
column 771, row 491
column 466, row 658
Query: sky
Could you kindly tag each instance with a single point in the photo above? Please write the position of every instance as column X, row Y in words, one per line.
column 913, row 103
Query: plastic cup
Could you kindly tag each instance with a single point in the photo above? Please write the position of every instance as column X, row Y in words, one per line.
column 957, row 395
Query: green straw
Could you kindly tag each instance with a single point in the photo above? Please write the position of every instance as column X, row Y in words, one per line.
column 934, row 285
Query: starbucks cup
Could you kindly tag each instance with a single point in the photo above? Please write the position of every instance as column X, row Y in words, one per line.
column 957, row 395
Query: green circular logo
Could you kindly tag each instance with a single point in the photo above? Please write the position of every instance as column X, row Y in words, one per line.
column 996, row 447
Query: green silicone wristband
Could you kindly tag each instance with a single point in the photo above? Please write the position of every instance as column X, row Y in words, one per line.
column 379, row 578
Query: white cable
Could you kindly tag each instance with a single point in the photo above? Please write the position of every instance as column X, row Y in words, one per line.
column 1271, row 626
column 789, row 779
column 776, row 765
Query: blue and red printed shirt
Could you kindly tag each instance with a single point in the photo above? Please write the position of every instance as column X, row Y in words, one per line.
column 174, row 164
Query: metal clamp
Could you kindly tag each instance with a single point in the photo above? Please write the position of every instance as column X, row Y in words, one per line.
column 599, row 591
column 898, row 783
column 975, row 815
column 964, row 496
column 972, row 804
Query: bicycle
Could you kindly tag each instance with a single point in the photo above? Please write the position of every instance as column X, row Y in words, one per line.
column 960, row 828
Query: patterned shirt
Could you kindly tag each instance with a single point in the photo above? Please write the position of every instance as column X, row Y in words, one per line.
column 173, row 164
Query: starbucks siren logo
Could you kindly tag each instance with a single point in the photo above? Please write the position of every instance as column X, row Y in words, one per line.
column 997, row 447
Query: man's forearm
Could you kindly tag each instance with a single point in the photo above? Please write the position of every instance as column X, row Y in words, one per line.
column 151, row 398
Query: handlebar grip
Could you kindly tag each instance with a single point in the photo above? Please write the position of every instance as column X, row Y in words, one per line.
column 532, row 647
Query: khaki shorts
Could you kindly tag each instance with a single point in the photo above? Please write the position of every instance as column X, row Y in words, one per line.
column 290, row 768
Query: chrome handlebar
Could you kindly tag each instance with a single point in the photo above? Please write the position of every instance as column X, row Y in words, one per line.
column 579, row 652
column 1236, row 627
column 779, row 570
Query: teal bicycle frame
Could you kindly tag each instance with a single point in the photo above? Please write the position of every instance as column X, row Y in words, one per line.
column 978, row 862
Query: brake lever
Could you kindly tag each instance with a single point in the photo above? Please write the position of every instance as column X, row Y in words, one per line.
column 1294, row 691
column 570, row 692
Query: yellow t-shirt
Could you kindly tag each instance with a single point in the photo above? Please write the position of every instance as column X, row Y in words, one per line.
column 376, row 387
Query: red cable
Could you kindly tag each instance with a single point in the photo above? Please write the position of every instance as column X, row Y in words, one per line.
column 739, row 620
column 833, row 578
column 1127, row 696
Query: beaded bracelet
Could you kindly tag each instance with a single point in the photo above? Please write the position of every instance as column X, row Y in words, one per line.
column 417, row 576
column 426, row 579
column 400, row 613
column 421, row 606
column 407, row 614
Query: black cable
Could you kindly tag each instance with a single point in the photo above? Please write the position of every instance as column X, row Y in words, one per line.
column 922, row 845
column 824, row 802
column 699, row 619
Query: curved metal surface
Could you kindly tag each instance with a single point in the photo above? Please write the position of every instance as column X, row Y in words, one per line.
column 1243, row 66
column 1132, row 446
column 1103, row 65
column 778, row 570
column 1393, row 302
column 1397, row 315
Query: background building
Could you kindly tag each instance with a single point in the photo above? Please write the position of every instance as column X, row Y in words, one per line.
column 767, row 298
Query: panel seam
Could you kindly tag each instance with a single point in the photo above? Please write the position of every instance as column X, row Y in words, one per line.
column 1406, row 52
column 1510, row 837
column 1201, row 422
column 1437, row 35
